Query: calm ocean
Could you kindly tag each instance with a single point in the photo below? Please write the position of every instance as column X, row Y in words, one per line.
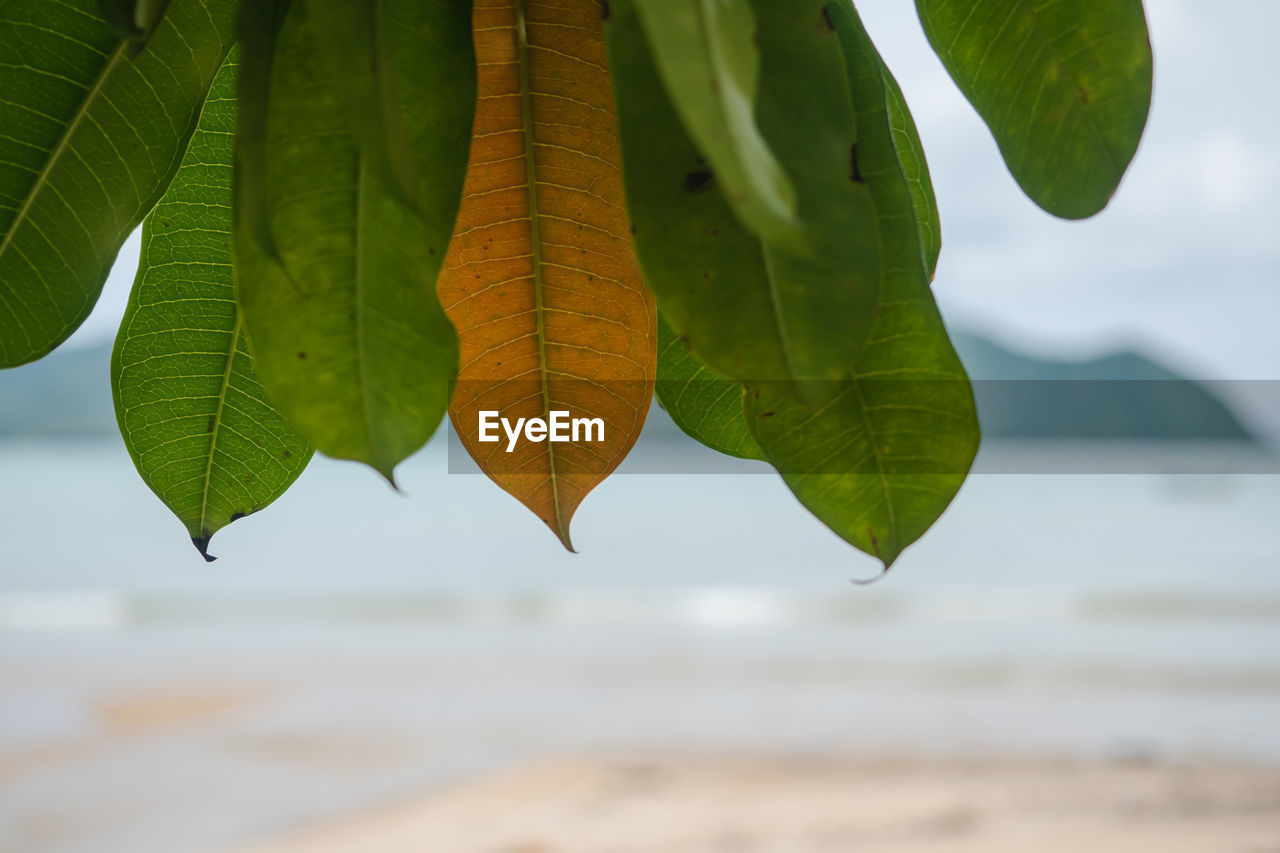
column 353, row 646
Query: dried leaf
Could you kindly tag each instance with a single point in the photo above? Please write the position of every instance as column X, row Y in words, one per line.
column 540, row 280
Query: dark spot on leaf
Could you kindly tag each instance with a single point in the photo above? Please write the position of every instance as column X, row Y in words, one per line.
column 826, row 16
column 856, row 177
column 633, row 230
column 213, row 423
column 166, row 224
column 301, row 354
column 248, row 478
column 202, row 545
column 715, row 232
column 706, row 275
column 697, row 180
column 1084, row 94
column 288, row 454
column 236, row 516
column 766, row 414
column 875, row 541
column 605, row 12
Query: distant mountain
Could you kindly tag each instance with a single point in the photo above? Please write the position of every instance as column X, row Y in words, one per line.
column 1123, row 395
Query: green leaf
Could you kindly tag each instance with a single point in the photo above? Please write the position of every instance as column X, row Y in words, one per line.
column 881, row 457
column 89, row 139
column 257, row 28
column 135, row 20
column 916, row 170
column 348, row 336
column 748, row 309
column 706, row 54
column 705, row 405
column 193, row 416
column 352, row 37
column 1064, row 86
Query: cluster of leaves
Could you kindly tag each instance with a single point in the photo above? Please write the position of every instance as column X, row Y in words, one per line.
column 357, row 216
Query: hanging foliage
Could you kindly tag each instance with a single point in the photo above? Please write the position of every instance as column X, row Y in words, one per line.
column 535, row 217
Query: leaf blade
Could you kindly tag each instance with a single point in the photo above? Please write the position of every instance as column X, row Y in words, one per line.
column 193, row 415
column 92, row 138
column 541, row 282
column 752, row 311
column 705, row 406
column 1065, row 88
column 710, row 64
column 916, row 170
column 350, row 340
column 881, row 456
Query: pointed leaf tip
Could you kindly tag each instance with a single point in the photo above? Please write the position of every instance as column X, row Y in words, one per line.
column 563, row 536
column 202, row 545
column 876, row 578
column 192, row 413
column 540, row 280
column 1064, row 87
column 349, row 339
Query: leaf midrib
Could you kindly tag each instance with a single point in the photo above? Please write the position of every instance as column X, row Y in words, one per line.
column 535, row 251
column 880, row 472
column 62, row 146
column 217, row 425
column 362, row 377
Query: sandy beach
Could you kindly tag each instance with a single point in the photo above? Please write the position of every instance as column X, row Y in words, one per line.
column 719, row 805
column 1099, row 682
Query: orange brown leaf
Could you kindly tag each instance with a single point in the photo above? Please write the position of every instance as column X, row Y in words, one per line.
column 541, row 280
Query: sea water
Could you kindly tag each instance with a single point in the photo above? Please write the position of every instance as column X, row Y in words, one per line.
column 353, row 645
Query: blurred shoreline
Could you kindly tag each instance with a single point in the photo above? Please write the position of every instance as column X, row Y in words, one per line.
column 702, row 804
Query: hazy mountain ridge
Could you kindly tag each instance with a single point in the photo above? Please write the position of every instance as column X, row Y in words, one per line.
column 1120, row 395
column 67, row 394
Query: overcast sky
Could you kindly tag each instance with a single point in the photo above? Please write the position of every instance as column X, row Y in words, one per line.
column 1182, row 264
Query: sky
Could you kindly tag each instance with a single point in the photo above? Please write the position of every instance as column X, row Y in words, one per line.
column 1183, row 263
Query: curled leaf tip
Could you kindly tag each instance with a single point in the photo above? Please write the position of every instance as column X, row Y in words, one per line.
column 202, row 545
column 876, row 578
